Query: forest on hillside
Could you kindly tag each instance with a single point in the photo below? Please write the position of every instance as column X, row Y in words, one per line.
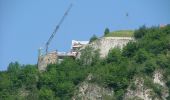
column 149, row 51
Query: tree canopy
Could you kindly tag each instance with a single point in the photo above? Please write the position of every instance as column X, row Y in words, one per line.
column 150, row 51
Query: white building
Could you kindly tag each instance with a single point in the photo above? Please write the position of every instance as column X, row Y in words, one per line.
column 76, row 45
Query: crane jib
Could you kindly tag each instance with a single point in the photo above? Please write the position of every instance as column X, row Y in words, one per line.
column 57, row 27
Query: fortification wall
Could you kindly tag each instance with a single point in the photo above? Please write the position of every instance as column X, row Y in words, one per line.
column 106, row 43
column 44, row 60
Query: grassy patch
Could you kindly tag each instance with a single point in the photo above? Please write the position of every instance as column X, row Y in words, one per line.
column 121, row 33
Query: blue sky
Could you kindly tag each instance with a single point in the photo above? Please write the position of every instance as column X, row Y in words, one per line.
column 26, row 25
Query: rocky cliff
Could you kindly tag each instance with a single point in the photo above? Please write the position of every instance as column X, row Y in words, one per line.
column 137, row 90
column 92, row 91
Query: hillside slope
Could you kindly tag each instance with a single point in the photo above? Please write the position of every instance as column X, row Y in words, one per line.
column 141, row 70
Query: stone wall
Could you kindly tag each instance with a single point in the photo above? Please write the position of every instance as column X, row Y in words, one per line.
column 106, row 43
column 44, row 60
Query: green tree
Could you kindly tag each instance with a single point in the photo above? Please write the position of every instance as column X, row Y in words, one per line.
column 150, row 66
column 65, row 89
column 14, row 67
column 114, row 55
column 140, row 32
column 93, row 38
column 4, row 80
column 28, row 76
column 86, row 56
column 150, row 51
column 107, row 31
column 130, row 49
column 46, row 94
column 141, row 56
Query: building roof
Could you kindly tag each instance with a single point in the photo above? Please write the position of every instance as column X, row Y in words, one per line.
column 76, row 43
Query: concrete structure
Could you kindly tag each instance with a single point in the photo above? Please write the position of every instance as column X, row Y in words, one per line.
column 44, row 60
column 104, row 44
column 56, row 57
column 76, row 45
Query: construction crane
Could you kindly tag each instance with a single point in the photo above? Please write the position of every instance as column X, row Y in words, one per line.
column 57, row 27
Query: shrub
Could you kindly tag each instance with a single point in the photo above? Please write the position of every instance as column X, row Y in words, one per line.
column 114, row 55
column 140, row 32
column 93, row 38
column 107, row 31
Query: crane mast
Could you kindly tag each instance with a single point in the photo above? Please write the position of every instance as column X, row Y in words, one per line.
column 57, row 27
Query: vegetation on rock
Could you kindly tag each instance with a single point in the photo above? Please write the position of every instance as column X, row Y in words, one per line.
column 149, row 52
column 93, row 38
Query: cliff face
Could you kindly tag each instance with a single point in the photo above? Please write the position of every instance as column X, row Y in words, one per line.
column 106, row 43
column 91, row 91
column 139, row 90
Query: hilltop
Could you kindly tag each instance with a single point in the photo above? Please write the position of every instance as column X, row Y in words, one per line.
column 138, row 71
column 121, row 33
